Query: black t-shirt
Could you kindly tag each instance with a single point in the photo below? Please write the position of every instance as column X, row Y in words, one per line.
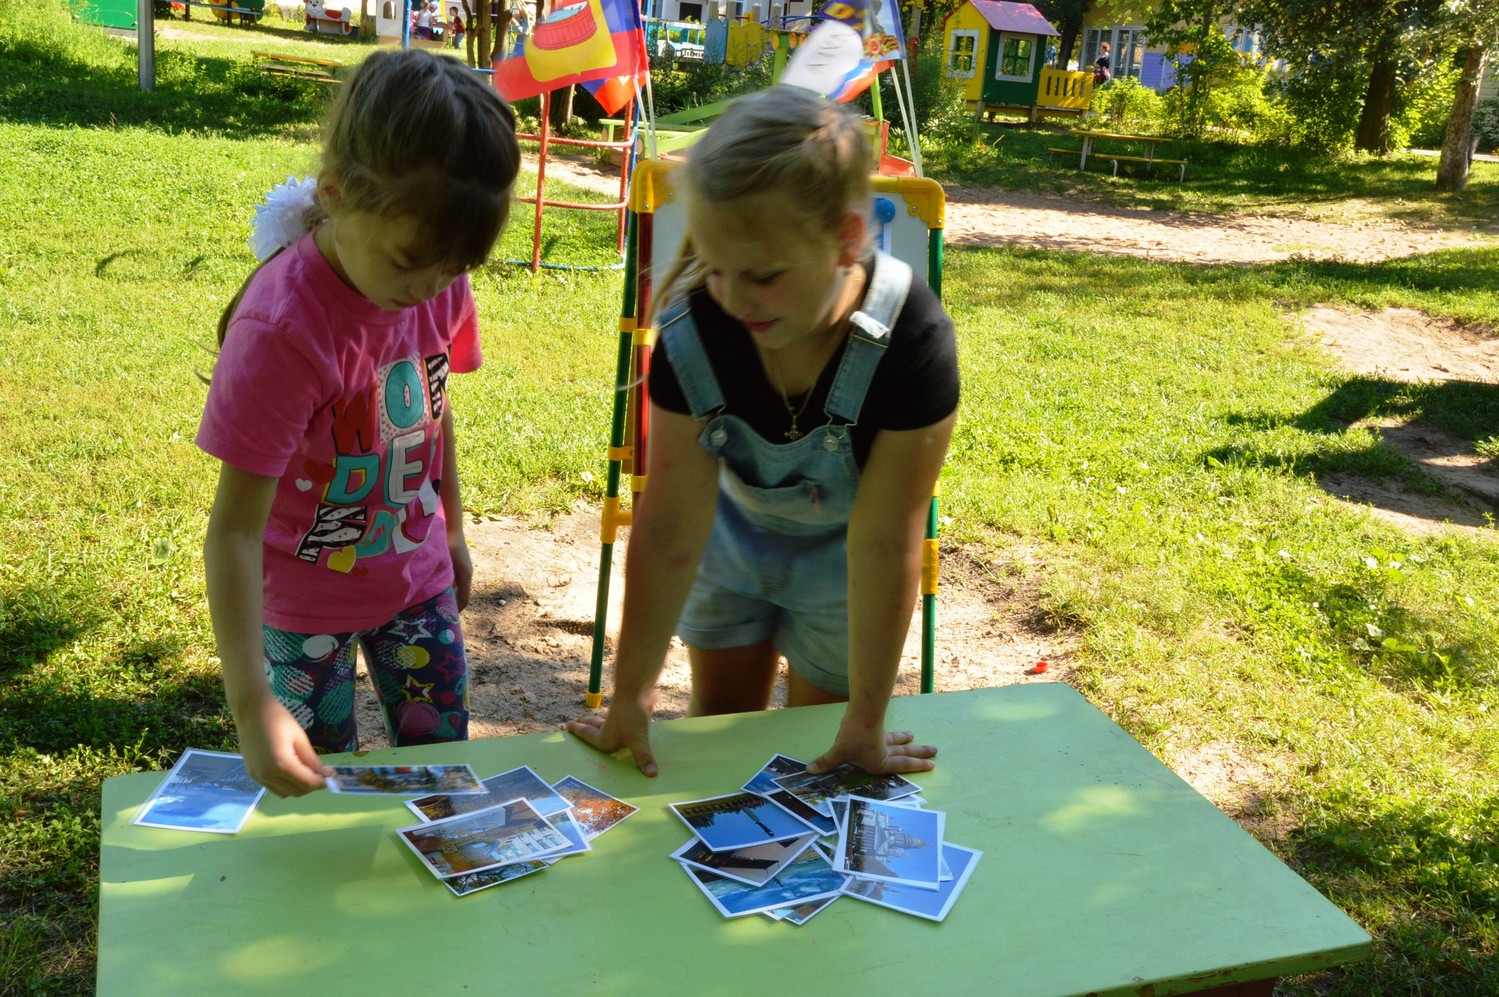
column 914, row 385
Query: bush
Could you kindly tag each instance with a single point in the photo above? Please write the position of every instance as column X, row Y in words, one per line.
column 1127, row 104
column 942, row 118
column 1323, row 99
column 1486, row 123
column 704, row 83
column 1423, row 103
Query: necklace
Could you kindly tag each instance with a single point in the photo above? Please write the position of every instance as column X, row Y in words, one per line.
column 793, row 434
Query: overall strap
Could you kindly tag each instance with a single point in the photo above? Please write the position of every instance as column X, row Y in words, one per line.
column 868, row 336
column 688, row 359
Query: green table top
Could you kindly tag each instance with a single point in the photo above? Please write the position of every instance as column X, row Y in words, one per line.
column 1103, row 872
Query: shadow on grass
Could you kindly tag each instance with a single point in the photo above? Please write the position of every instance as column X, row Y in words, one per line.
column 36, row 623
column 40, row 713
column 1425, row 876
column 1221, row 176
column 46, row 708
column 1447, row 417
column 1443, row 271
column 41, row 85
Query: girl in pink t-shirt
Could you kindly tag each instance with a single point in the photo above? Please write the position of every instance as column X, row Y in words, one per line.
column 337, row 521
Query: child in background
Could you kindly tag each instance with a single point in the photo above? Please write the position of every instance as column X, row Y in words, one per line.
column 337, row 521
column 458, row 29
column 803, row 391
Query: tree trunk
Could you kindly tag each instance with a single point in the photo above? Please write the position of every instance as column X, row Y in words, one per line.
column 1457, row 143
column 1379, row 103
column 501, row 46
column 1065, row 44
column 481, row 34
column 562, row 110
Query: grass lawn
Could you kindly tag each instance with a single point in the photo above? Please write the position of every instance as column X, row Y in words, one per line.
column 1146, row 436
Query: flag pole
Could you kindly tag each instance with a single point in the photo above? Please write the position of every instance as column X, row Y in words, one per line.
column 908, row 109
column 541, row 178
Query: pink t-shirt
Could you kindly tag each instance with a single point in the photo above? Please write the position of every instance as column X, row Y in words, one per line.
column 343, row 402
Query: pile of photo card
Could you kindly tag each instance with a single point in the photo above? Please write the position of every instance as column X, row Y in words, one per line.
column 514, row 824
column 789, row 843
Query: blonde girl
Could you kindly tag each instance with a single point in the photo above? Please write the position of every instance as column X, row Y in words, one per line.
column 337, row 521
column 802, row 396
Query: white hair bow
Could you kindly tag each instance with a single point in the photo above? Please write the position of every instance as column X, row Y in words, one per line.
column 285, row 217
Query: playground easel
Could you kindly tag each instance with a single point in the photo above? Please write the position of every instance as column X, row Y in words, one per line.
column 907, row 218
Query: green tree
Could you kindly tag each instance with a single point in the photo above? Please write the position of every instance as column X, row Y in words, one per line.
column 1199, row 52
column 1373, row 33
column 1067, row 17
column 1473, row 28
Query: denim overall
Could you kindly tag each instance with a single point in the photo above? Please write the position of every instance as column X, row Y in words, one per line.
column 776, row 563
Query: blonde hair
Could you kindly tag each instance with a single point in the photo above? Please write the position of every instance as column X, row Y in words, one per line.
column 783, row 139
column 420, row 135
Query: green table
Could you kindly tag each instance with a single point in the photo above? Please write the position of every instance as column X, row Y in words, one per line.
column 1102, row 873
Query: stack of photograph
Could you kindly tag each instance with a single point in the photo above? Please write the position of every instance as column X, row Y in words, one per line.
column 518, row 824
column 790, row 843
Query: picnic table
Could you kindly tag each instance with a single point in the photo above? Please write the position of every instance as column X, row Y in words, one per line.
column 1090, row 136
column 1102, row 873
column 297, row 66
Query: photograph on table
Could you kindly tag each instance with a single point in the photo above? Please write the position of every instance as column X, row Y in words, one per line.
column 403, row 780
column 801, row 913
column 807, row 878
column 752, row 866
column 738, row 820
column 486, row 839
column 577, row 840
column 764, row 783
column 845, row 780
column 839, row 805
column 594, row 810
column 796, row 808
column 204, row 791
column 518, row 783
column 473, row 882
column 889, row 843
column 930, row 904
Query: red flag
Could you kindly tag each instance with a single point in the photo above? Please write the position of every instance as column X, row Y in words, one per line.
column 616, row 92
column 577, row 43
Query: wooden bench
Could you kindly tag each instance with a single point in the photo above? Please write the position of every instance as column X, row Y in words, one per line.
column 1147, row 160
column 1117, row 159
column 297, row 67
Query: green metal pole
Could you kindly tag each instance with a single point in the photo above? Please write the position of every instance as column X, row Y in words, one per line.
column 929, row 598
column 595, row 696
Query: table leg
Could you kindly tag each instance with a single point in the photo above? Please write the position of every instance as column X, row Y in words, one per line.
column 1082, row 160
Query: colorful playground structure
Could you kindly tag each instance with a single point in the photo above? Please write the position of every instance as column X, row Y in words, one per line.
column 907, row 218
column 324, row 18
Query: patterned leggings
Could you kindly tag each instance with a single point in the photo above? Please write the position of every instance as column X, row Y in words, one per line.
column 416, row 661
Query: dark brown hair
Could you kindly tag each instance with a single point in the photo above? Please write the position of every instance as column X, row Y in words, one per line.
column 421, row 135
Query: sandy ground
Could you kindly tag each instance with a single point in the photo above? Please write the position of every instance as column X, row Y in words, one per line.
column 529, row 627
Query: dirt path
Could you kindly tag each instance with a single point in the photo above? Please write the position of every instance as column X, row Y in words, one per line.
column 985, row 217
column 529, row 626
column 981, row 216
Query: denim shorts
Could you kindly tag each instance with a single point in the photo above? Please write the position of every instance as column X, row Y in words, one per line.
column 754, row 585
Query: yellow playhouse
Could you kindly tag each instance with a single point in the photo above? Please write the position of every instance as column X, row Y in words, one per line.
column 1001, row 48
